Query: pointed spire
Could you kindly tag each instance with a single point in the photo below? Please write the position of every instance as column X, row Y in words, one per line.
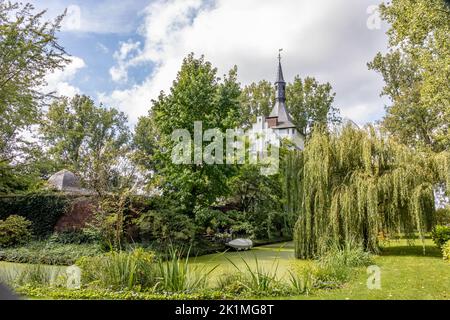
column 280, row 78
column 280, row 83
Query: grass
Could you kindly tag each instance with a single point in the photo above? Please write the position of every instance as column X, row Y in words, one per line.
column 406, row 274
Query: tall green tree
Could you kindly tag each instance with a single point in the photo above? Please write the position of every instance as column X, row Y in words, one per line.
column 309, row 103
column 416, row 72
column 87, row 139
column 355, row 184
column 28, row 51
column 197, row 94
column 257, row 99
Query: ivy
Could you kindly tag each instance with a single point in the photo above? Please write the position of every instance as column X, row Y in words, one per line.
column 42, row 209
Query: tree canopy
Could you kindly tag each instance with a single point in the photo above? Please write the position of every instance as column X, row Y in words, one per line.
column 356, row 184
column 416, row 72
column 28, row 51
column 86, row 139
column 309, row 103
column 197, row 94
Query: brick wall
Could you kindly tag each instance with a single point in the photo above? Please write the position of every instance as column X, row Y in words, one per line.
column 79, row 213
column 272, row 122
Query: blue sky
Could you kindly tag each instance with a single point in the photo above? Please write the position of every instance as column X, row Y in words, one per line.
column 125, row 52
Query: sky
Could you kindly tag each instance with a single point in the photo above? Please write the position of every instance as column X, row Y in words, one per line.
column 123, row 53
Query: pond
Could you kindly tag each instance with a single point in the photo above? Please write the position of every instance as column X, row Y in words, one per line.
column 277, row 258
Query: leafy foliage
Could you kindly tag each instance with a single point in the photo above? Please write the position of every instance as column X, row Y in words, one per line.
column 119, row 270
column 356, row 184
column 416, row 72
column 309, row 102
column 166, row 226
column 48, row 253
column 177, row 275
column 112, row 219
column 14, row 230
column 446, row 250
column 28, row 51
column 72, row 237
column 196, row 95
column 87, row 139
column 258, row 280
column 260, row 200
column 443, row 216
column 440, row 235
column 105, row 294
column 42, row 209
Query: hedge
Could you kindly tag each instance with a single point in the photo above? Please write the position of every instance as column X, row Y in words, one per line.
column 42, row 209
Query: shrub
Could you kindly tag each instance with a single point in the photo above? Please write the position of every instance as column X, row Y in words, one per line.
column 349, row 255
column 48, row 253
column 231, row 283
column 177, row 275
column 446, row 250
column 39, row 275
column 166, row 226
column 72, row 237
column 443, row 216
column 120, row 270
column 301, row 281
column 14, row 230
column 335, row 266
column 258, row 280
column 42, row 209
column 440, row 235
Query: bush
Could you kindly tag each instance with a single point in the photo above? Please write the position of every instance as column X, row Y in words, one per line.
column 258, row 280
column 446, row 250
column 166, row 226
column 443, row 216
column 177, row 275
column 334, row 268
column 48, row 253
column 301, row 282
column 120, row 270
column 14, row 230
column 42, row 209
column 39, row 275
column 440, row 235
column 72, row 237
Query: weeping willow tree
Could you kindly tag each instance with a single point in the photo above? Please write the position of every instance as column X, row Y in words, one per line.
column 356, row 185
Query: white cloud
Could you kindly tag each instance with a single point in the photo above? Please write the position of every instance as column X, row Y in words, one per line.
column 125, row 58
column 328, row 39
column 102, row 48
column 59, row 81
column 100, row 16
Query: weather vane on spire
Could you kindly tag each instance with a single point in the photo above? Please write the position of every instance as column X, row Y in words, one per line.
column 279, row 54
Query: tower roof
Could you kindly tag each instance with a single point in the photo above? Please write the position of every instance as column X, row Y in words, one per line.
column 280, row 77
column 279, row 109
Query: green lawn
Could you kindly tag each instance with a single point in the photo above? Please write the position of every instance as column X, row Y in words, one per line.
column 406, row 273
